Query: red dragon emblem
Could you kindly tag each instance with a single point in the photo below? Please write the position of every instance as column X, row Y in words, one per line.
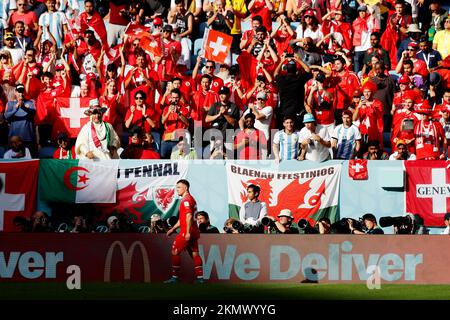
column 164, row 197
column 292, row 197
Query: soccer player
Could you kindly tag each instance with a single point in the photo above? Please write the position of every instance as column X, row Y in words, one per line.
column 188, row 236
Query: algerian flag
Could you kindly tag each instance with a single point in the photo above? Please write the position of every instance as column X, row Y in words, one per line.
column 78, row 181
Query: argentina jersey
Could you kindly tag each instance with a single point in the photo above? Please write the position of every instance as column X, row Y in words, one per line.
column 288, row 144
column 346, row 141
column 55, row 21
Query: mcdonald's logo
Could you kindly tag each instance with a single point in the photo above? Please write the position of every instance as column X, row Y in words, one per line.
column 127, row 259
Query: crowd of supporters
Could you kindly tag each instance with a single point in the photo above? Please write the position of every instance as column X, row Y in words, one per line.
column 315, row 80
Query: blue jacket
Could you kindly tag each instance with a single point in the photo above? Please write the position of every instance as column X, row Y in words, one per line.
column 21, row 120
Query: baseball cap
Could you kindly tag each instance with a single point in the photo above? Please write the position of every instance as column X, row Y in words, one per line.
column 285, row 213
column 224, row 90
column 404, row 79
column 308, row 117
column 9, row 35
column 413, row 45
column 310, row 13
column 261, row 95
column 168, row 27
column 20, row 88
column 413, row 28
column 357, row 93
column 157, row 21
column 399, row 142
column 362, row 7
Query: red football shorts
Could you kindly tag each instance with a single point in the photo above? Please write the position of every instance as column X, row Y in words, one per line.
column 181, row 244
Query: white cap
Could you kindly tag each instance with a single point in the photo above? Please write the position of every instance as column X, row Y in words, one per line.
column 285, row 213
column 111, row 219
column 94, row 102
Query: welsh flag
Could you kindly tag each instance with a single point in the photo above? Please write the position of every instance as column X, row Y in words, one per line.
column 310, row 194
column 428, row 190
column 18, row 180
column 70, row 117
column 78, row 181
column 145, row 189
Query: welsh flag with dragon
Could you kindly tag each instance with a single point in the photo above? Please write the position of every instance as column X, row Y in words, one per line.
column 310, row 194
column 146, row 188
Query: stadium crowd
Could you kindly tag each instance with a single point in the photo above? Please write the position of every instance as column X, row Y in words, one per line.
column 305, row 80
column 315, row 80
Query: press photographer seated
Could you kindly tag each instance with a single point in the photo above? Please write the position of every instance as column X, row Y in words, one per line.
column 282, row 225
column 370, row 223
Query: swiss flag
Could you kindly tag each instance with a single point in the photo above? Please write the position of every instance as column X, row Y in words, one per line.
column 70, row 117
column 18, row 181
column 151, row 44
column 357, row 169
column 135, row 28
column 217, row 46
column 428, row 190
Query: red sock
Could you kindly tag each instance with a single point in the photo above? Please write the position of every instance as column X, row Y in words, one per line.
column 198, row 264
column 176, row 262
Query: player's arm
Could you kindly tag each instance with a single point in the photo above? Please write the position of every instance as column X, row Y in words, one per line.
column 189, row 218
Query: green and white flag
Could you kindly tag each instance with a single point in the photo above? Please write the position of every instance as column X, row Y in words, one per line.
column 310, row 194
column 78, row 181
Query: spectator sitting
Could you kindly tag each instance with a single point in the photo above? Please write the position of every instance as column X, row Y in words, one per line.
column 157, row 225
column 183, row 151
column 65, row 150
column 374, row 152
column 447, row 224
column 18, row 149
column 40, row 222
column 402, row 152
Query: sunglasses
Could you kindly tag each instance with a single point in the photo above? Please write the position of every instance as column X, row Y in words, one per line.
column 209, row 67
column 139, row 98
column 260, row 99
column 411, row 49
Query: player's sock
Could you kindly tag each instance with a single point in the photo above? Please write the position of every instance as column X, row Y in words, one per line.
column 198, row 265
column 176, row 263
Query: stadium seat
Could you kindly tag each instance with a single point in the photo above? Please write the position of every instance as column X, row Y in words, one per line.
column 63, row 227
column 101, row 229
column 46, row 152
column 198, row 46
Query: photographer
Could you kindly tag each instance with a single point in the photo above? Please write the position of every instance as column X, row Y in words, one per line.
column 79, row 224
column 157, row 225
column 282, row 225
column 204, row 224
column 370, row 222
column 232, row 225
column 324, row 225
column 407, row 224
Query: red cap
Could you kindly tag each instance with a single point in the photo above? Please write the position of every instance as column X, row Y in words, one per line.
column 413, row 45
column 310, row 13
column 157, row 21
column 91, row 76
column 404, row 79
column 369, row 85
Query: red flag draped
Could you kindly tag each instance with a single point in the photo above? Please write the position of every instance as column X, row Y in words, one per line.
column 247, row 67
column 357, row 169
column 18, row 181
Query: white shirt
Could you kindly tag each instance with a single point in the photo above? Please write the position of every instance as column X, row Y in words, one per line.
column 316, row 151
column 411, row 156
column 10, row 154
column 288, row 144
column 446, row 230
column 16, row 54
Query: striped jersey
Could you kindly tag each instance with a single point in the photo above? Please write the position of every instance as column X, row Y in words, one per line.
column 55, row 20
column 288, row 144
column 346, row 140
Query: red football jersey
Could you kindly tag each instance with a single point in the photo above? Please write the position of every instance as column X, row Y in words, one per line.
column 188, row 205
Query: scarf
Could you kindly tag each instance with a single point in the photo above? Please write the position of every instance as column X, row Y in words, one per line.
column 99, row 132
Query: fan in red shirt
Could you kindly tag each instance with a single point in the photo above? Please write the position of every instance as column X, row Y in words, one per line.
column 202, row 100
column 429, row 135
column 370, row 113
column 64, row 151
column 189, row 234
column 210, row 66
column 250, row 143
column 171, row 53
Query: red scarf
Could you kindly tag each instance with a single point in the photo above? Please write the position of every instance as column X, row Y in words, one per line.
column 97, row 142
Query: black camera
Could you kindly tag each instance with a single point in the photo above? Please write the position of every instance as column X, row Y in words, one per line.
column 289, row 55
column 409, row 224
column 306, row 228
column 267, row 222
column 342, row 226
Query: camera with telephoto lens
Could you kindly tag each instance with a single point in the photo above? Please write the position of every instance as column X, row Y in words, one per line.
column 306, row 228
column 342, row 226
column 408, row 224
column 267, row 222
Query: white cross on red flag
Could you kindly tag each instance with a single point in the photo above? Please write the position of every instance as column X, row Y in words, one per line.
column 18, row 181
column 70, row 116
column 217, row 46
column 357, row 169
column 428, row 190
